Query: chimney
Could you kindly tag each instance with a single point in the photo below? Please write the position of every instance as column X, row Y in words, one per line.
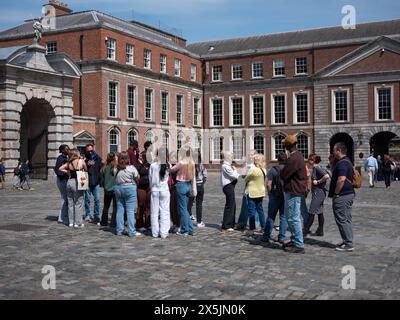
column 60, row 7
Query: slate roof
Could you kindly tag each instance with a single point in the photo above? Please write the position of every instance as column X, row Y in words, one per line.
column 91, row 19
column 296, row 40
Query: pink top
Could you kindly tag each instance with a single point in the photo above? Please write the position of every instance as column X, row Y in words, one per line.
column 181, row 176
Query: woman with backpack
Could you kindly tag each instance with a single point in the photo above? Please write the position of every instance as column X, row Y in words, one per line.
column 319, row 177
column 255, row 181
column 75, row 197
column 387, row 169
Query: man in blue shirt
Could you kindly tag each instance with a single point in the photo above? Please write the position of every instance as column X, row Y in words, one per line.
column 342, row 191
column 371, row 166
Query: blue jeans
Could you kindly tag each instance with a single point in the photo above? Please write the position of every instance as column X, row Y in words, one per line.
column 292, row 213
column 304, row 211
column 256, row 206
column 276, row 204
column 95, row 190
column 126, row 197
column 183, row 193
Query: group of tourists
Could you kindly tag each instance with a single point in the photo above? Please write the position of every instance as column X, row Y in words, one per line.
column 154, row 196
column 22, row 174
column 379, row 169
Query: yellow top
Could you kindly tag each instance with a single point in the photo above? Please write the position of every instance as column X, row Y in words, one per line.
column 255, row 180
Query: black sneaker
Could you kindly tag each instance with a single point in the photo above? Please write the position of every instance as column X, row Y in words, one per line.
column 345, row 248
column 265, row 239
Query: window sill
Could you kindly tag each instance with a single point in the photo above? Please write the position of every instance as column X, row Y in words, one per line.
column 301, row 75
column 257, row 125
column 149, row 122
column 279, row 77
column 216, row 82
column 384, row 121
column 301, row 124
column 258, row 78
column 236, row 80
column 132, row 120
column 341, row 122
column 113, row 118
column 279, row 124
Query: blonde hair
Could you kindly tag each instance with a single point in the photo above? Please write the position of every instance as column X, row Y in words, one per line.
column 73, row 155
column 259, row 161
column 186, row 159
column 227, row 156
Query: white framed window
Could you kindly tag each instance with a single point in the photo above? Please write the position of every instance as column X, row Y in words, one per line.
column 301, row 107
column 258, row 70
column 277, row 145
column 301, row 65
column 163, row 63
column 177, row 68
column 193, row 72
column 132, row 136
column 257, row 114
column 236, row 111
column 164, row 107
column 237, row 143
column 131, row 102
column 384, row 110
column 111, row 48
column 279, row 68
column 216, row 73
column 130, row 54
column 179, row 109
column 149, row 136
column 217, row 112
column 340, row 105
column 259, row 144
column 113, row 140
column 303, row 144
column 237, row 72
column 279, row 110
column 148, row 104
column 147, row 59
column 196, row 112
column 112, row 99
column 51, row 47
column 165, row 140
column 217, row 146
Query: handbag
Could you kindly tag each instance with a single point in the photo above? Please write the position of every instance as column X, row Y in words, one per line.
column 82, row 179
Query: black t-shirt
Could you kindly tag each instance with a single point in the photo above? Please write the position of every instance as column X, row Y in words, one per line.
column 343, row 167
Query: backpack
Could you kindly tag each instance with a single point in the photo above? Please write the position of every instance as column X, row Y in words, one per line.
column 16, row 171
column 277, row 184
column 357, row 179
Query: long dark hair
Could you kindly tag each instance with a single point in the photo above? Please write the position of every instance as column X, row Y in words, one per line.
column 163, row 158
column 198, row 164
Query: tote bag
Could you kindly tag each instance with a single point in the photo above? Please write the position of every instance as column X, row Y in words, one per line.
column 82, row 179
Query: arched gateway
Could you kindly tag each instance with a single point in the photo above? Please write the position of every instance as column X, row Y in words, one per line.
column 36, row 106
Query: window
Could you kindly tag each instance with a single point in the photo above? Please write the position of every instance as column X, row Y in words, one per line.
column 147, row 59
column 301, row 65
column 237, row 72
column 196, row 112
column 132, row 102
column 132, row 136
column 217, row 73
column 51, row 47
column 217, row 113
column 217, row 145
column 257, row 112
column 149, row 136
column 113, row 140
column 163, row 63
column 279, row 109
column 258, row 70
column 301, row 107
column 237, row 147
column 164, row 107
column 179, row 109
column 236, row 112
column 302, row 144
column 340, row 106
column 258, row 144
column 179, row 140
column 279, row 68
column 129, row 54
column 165, row 140
column 111, row 46
column 177, row 68
column 112, row 99
column 193, row 72
column 277, row 145
column 384, row 107
column 148, row 105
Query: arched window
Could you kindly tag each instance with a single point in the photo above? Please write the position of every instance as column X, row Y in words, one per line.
column 258, row 144
column 165, row 140
column 132, row 136
column 149, row 136
column 277, row 145
column 302, row 144
column 113, row 140
column 217, row 146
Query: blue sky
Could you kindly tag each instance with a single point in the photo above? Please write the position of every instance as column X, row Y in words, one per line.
column 202, row 20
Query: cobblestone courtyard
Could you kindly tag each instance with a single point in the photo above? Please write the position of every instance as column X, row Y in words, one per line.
column 94, row 264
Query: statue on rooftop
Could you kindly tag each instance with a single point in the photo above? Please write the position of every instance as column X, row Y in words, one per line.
column 38, row 30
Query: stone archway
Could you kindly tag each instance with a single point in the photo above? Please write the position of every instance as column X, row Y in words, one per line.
column 36, row 116
column 347, row 140
column 380, row 142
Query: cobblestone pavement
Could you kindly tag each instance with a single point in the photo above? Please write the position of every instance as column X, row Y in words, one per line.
column 94, row 264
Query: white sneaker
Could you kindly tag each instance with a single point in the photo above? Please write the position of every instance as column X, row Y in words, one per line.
column 82, row 226
column 71, row 225
column 76, row 226
column 201, row 225
column 192, row 218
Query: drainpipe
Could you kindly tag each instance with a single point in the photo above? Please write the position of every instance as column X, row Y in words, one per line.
column 80, row 79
